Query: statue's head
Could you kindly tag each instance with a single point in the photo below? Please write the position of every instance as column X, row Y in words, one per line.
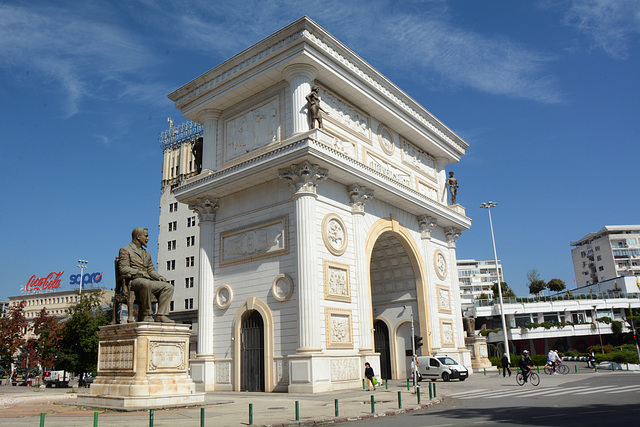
column 140, row 236
column 315, row 88
column 451, row 173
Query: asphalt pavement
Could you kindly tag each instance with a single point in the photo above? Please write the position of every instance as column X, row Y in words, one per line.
column 23, row 406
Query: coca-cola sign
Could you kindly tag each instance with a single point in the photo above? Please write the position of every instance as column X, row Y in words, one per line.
column 52, row 281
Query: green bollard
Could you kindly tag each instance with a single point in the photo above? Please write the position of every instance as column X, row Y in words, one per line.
column 399, row 400
column 576, row 366
column 408, row 387
column 201, row 417
column 95, row 419
column 434, row 390
column 595, row 368
column 386, row 382
column 297, row 410
column 613, row 367
column 363, row 384
column 627, row 366
column 150, row 417
column 250, row 414
column 373, row 405
column 42, row 419
column 418, row 392
column 337, row 412
column 430, row 392
column 538, row 367
column 485, row 372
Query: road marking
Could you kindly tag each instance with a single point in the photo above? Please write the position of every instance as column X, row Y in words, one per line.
column 462, row 393
column 628, row 388
column 604, row 389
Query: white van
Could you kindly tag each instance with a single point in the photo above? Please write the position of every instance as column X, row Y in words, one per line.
column 443, row 367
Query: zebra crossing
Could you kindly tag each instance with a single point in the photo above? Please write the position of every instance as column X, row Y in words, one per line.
column 541, row 391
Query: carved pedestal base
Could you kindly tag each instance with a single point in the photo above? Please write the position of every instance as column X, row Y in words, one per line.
column 479, row 355
column 142, row 366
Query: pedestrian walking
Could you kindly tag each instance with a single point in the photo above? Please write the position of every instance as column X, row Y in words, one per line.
column 504, row 362
column 370, row 376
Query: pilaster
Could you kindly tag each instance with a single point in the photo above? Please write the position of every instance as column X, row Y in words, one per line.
column 203, row 369
column 300, row 77
column 304, row 178
column 359, row 195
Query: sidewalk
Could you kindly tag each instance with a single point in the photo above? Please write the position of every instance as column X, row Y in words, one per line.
column 221, row 408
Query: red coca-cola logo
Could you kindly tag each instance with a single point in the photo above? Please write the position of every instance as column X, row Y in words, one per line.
column 52, row 281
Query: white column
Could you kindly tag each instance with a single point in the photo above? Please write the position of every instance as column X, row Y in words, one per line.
column 203, row 369
column 209, row 119
column 359, row 196
column 304, row 178
column 299, row 77
column 452, row 234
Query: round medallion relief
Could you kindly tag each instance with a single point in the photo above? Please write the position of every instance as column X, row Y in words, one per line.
column 282, row 287
column 440, row 264
column 224, row 296
column 334, row 234
column 385, row 140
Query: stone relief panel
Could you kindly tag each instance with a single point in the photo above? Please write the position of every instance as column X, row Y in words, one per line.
column 262, row 240
column 282, row 371
column 116, row 356
column 344, row 146
column 446, row 333
column 440, row 264
column 251, row 130
column 344, row 114
column 343, row 369
column 224, row 297
column 444, row 299
column 418, row 159
column 339, row 330
column 334, row 234
column 282, row 287
column 167, row 356
column 337, row 286
column 388, row 169
column 386, row 140
column 426, row 189
column 223, row 372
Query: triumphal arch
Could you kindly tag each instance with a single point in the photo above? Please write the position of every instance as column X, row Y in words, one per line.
column 325, row 226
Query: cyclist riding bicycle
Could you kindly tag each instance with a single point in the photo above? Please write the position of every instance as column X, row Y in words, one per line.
column 552, row 360
column 525, row 362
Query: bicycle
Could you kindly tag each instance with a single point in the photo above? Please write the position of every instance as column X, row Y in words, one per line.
column 560, row 368
column 534, row 379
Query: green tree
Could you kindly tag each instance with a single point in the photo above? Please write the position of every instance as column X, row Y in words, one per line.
column 556, row 285
column 79, row 346
column 13, row 329
column 535, row 282
column 49, row 332
column 506, row 291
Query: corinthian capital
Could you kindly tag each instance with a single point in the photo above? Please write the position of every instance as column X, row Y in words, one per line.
column 359, row 196
column 452, row 234
column 304, row 177
column 206, row 208
column 427, row 224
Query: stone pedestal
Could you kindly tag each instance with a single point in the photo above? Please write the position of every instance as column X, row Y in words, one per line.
column 477, row 345
column 142, row 366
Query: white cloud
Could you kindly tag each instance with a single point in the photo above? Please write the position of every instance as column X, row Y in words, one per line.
column 612, row 25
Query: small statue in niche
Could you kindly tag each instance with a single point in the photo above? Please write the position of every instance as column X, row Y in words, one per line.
column 452, row 184
column 315, row 110
column 196, row 150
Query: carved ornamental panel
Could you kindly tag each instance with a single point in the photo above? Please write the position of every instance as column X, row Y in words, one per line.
column 339, row 329
column 262, row 240
column 116, row 356
column 251, row 130
column 337, row 286
column 167, row 356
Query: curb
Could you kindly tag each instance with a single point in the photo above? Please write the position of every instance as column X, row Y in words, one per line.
column 363, row 417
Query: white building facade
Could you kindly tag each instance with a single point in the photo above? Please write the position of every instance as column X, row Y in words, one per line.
column 612, row 252
column 477, row 278
column 317, row 247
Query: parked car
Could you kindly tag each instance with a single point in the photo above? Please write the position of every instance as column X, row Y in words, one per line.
column 441, row 367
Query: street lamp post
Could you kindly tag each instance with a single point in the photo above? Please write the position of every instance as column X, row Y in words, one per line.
column 595, row 311
column 82, row 264
column 488, row 206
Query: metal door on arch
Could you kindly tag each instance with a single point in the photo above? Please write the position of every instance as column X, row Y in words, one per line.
column 252, row 353
column 381, row 342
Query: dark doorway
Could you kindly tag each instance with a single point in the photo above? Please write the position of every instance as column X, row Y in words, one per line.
column 381, row 343
column 252, row 352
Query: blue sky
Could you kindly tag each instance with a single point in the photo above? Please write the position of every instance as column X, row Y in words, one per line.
column 546, row 93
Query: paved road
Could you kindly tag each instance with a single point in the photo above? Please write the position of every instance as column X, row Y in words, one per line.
column 573, row 400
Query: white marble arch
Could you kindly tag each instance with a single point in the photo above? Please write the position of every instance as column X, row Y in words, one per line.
column 253, row 303
column 393, row 227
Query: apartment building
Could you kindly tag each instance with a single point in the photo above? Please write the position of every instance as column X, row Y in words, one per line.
column 477, row 278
